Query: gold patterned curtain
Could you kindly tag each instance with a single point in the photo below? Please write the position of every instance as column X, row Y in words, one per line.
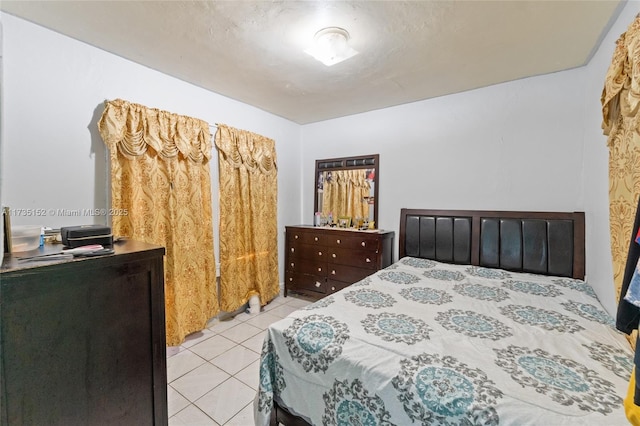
column 248, row 217
column 345, row 193
column 160, row 176
column 621, row 123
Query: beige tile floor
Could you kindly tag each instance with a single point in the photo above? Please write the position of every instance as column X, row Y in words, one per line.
column 213, row 376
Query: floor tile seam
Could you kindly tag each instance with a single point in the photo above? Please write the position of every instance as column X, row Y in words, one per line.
column 187, row 372
column 252, row 350
column 197, row 408
column 243, row 407
column 180, row 393
column 228, row 421
column 226, row 338
column 192, row 401
column 204, row 340
column 245, row 383
column 238, row 378
column 241, row 322
column 212, row 389
column 234, row 414
column 250, row 337
column 225, row 351
column 233, row 374
column 218, row 332
column 213, row 365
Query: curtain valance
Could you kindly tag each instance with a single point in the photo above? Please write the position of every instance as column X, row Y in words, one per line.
column 243, row 149
column 131, row 128
column 621, row 93
column 355, row 178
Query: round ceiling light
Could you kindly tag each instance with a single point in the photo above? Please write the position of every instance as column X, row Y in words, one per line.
column 331, row 46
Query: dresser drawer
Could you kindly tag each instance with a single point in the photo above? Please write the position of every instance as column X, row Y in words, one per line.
column 345, row 273
column 360, row 258
column 360, row 241
column 333, row 286
column 306, row 266
column 306, row 237
column 298, row 281
column 321, row 260
column 307, row 251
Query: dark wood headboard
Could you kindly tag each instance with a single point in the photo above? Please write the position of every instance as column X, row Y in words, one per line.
column 548, row 243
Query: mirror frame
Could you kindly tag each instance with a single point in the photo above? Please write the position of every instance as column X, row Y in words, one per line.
column 350, row 163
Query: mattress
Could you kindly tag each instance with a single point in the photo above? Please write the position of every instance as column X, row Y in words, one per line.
column 429, row 343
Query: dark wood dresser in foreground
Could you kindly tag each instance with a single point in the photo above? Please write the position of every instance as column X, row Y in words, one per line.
column 83, row 340
column 320, row 261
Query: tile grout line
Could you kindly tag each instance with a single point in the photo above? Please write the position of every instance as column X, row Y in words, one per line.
column 242, row 317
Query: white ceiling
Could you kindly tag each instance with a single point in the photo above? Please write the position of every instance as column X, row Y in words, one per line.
column 252, row 51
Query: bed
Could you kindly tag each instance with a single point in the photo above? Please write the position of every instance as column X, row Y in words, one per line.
column 484, row 320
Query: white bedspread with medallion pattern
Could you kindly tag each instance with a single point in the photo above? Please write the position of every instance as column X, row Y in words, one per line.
column 428, row 343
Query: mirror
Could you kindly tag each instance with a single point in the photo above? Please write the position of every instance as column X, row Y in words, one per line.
column 346, row 192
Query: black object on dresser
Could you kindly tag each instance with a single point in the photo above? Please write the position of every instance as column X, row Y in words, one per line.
column 83, row 340
column 320, row 261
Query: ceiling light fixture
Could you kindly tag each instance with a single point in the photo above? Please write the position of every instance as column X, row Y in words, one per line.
column 330, row 46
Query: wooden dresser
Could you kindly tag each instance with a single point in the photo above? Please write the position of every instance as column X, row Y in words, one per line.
column 83, row 340
column 320, row 261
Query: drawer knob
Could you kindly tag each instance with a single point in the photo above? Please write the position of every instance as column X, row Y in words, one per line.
column 293, row 249
column 293, row 264
column 363, row 244
column 296, row 237
column 333, row 289
column 333, row 255
column 338, row 241
column 333, row 272
column 319, row 269
column 368, row 260
column 319, row 253
column 290, row 279
column 318, row 284
column 315, row 239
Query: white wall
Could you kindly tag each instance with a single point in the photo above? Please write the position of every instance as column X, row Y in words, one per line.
column 510, row 146
column 596, row 166
column 513, row 146
column 54, row 93
column 531, row 144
